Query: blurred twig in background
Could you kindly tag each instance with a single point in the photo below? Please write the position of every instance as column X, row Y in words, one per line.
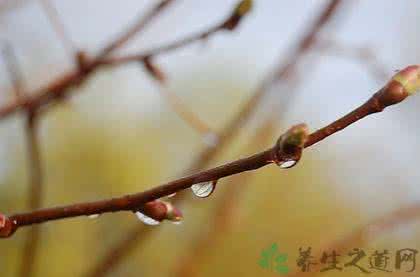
column 185, row 113
column 365, row 233
column 364, row 55
column 35, row 192
column 58, row 26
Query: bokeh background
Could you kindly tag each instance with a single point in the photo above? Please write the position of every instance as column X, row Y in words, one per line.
column 116, row 134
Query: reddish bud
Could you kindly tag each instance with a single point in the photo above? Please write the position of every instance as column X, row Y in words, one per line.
column 173, row 213
column 402, row 85
column 7, row 228
column 160, row 210
column 289, row 147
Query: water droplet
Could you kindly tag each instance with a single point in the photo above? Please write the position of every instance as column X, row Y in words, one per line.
column 146, row 219
column 177, row 222
column 203, row 189
column 288, row 164
column 93, row 216
column 171, row 195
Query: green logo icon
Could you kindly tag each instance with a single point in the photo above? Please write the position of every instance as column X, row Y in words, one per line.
column 272, row 259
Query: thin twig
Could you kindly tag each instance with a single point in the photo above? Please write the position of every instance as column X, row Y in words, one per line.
column 57, row 89
column 35, row 191
column 182, row 110
column 228, row 24
column 35, row 194
column 364, row 55
column 58, row 26
column 403, row 84
column 16, row 77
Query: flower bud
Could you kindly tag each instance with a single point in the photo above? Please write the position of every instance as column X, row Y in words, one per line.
column 6, row 226
column 289, row 146
column 409, row 78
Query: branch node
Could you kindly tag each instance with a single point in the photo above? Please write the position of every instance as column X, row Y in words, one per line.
column 288, row 149
column 7, row 227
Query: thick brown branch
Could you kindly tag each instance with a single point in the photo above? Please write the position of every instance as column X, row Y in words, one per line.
column 394, row 92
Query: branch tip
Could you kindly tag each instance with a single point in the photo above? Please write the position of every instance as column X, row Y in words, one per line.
column 242, row 9
column 7, row 227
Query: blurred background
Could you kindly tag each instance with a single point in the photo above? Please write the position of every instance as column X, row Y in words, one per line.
column 118, row 134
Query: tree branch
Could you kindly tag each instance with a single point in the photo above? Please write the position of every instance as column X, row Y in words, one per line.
column 228, row 24
column 280, row 73
column 403, row 84
column 57, row 89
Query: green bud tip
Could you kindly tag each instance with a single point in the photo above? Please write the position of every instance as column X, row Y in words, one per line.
column 244, row 7
column 409, row 78
column 296, row 135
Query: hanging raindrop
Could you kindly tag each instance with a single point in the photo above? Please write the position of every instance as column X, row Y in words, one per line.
column 204, row 189
column 146, row 219
column 93, row 216
column 288, row 164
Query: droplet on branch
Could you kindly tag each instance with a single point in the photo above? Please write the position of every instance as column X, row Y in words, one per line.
column 289, row 146
column 204, row 189
column 146, row 219
column 93, row 216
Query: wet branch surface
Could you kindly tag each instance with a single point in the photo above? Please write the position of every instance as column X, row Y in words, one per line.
column 392, row 93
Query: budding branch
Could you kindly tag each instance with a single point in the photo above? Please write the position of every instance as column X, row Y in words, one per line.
column 403, row 84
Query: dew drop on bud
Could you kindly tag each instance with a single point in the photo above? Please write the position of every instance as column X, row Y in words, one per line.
column 288, row 164
column 204, row 189
column 146, row 219
column 93, row 216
